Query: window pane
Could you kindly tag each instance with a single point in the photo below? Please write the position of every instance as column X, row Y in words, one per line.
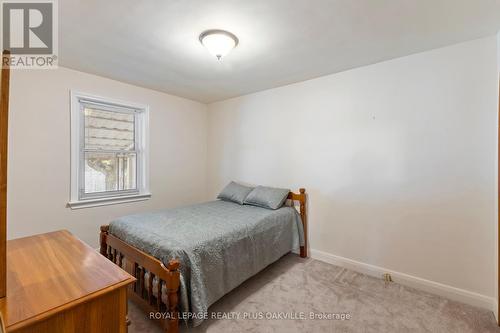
column 107, row 130
column 110, row 172
column 127, row 171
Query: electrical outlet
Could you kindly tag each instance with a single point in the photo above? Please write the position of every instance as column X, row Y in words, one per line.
column 387, row 277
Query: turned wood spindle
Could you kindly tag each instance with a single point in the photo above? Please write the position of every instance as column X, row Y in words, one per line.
column 141, row 279
column 136, row 284
column 158, row 295
column 120, row 259
column 150, row 288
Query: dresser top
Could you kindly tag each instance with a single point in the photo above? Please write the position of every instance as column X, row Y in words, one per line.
column 51, row 272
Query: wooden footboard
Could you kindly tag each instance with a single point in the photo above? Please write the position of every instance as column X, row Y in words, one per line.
column 136, row 262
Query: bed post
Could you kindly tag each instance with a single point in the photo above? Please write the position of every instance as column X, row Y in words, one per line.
column 173, row 283
column 303, row 216
column 102, row 240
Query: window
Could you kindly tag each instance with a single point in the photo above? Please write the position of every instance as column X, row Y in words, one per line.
column 109, row 151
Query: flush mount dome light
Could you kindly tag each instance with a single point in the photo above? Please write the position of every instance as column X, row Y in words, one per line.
column 218, row 42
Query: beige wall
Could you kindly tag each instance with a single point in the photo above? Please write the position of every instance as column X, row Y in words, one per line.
column 398, row 159
column 39, row 156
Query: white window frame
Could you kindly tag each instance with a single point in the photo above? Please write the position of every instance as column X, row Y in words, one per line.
column 77, row 200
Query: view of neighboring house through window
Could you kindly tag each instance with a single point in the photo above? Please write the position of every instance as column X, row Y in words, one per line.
column 110, row 154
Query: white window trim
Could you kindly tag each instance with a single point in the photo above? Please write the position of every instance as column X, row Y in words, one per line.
column 76, row 137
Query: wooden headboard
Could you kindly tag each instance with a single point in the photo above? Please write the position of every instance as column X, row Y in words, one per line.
column 302, row 199
column 4, row 123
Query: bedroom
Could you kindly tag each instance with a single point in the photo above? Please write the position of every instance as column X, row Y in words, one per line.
column 385, row 112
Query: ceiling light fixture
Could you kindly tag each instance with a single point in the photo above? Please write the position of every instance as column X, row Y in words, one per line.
column 218, row 42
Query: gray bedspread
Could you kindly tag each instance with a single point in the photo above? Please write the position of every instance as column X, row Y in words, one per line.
column 219, row 244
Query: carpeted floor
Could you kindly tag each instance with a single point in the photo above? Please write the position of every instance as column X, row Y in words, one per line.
column 296, row 287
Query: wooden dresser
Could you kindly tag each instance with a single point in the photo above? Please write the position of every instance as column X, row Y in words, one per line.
column 56, row 283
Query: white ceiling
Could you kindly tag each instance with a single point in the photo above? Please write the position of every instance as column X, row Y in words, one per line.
column 154, row 43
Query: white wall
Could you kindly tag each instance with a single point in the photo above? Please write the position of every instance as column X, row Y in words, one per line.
column 39, row 152
column 496, row 230
column 398, row 158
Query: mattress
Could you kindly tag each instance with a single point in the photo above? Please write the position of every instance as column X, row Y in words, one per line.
column 220, row 244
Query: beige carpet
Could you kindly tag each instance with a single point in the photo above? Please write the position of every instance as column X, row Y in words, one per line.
column 296, row 287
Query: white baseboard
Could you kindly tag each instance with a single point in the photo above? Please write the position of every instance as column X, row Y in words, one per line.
column 440, row 289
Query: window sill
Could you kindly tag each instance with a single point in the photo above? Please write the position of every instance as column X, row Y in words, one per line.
column 107, row 201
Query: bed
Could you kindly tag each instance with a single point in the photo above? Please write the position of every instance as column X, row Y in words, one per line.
column 185, row 259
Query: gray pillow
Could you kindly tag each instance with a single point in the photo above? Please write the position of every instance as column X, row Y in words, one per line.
column 267, row 197
column 235, row 192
